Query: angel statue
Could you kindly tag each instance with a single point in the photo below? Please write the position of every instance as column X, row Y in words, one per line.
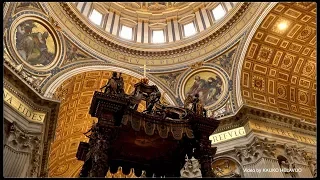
column 191, row 169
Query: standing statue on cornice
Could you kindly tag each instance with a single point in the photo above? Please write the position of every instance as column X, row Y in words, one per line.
column 120, row 84
column 197, row 106
column 152, row 100
column 115, row 85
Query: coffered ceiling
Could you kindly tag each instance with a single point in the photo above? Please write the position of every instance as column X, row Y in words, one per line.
column 279, row 71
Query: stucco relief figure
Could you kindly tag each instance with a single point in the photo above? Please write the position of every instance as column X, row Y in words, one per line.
column 209, row 89
column 191, row 169
column 34, row 43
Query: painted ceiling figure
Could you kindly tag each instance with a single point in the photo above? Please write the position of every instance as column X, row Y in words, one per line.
column 212, row 90
column 208, row 91
column 197, row 86
column 32, row 45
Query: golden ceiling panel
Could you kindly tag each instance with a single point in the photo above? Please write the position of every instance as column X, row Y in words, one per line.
column 74, row 119
column 279, row 71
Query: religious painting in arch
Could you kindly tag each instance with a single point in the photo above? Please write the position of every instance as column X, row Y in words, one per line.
column 208, row 85
column 34, row 43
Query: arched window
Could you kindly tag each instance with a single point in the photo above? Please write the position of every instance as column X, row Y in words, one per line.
column 189, row 29
column 96, row 17
column 218, row 12
column 126, row 32
column 157, row 36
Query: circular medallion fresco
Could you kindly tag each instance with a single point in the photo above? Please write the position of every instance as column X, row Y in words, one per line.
column 209, row 84
column 35, row 42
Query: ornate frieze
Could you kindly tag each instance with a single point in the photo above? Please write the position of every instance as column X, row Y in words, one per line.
column 33, row 99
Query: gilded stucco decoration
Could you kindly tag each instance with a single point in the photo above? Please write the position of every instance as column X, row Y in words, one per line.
column 170, row 79
column 29, row 5
column 74, row 54
column 279, row 71
column 227, row 59
column 73, row 120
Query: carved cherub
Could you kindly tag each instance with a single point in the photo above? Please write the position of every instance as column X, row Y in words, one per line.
column 191, row 168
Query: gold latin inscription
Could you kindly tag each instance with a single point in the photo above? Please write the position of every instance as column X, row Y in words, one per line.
column 282, row 132
column 22, row 108
column 227, row 135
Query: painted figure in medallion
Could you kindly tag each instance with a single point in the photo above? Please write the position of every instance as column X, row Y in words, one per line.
column 207, row 85
column 34, row 43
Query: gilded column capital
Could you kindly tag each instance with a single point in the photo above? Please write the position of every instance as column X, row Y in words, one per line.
column 171, row 18
column 197, row 7
column 143, row 20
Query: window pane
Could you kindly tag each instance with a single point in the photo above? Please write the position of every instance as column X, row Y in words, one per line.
column 158, row 36
column 126, row 32
column 96, row 17
column 189, row 29
column 218, row 12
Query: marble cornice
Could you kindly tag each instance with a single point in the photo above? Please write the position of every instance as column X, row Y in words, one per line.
column 146, row 51
column 247, row 112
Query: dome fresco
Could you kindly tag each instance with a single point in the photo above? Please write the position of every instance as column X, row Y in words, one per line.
column 169, row 17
